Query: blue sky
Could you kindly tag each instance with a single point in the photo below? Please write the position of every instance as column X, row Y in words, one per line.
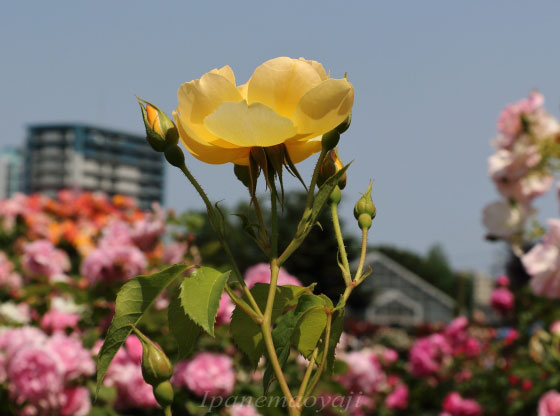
column 430, row 80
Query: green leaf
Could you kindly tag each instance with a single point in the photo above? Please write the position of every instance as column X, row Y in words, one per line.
column 311, row 324
column 247, row 334
column 133, row 299
column 200, row 296
column 184, row 330
column 337, row 326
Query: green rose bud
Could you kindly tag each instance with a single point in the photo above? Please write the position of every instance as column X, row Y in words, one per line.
column 365, row 208
column 336, row 196
column 163, row 393
column 156, row 367
column 174, row 155
column 331, row 164
column 345, row 125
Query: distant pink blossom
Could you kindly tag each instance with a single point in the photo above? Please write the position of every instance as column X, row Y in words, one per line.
column 75, row 402
column 429, row 354
column 260, row 273
column 206, row 374
column 174, row 253
column 116, row 233
column 504, row 220
column 527, row 188
column 41, row 258
column 549, row 404
column 243, row 410
column 364, row 373
column 9, row 279
column 542, row 262
column 147, row 231
column 361, row 405
column 398, row 398
column 225, row 310
column 502, row 281
column 109, row 264
column 57, row 321
column 455, row 405
column 555, row 328
column 502, row 300
column 510, row 122
column 76, row 361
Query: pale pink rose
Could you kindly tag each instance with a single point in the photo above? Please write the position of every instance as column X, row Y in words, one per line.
column 543, row 125
column 549, row 404
column 243, row 410
column 510, row 122
column 134, row 349
column 9, row 279
column 455, row 405
column 225, row 310
column 16, row 339
column 364, row 374
column 429, row 354
column 390, row 356
column 147, row 231
column 109, row 264
column 512, row 165
column 503, row 220
column 174, row 253
column 41, row 258
column 116, row 233
column 502, row 299
column 206, row 374
column 260, row 273
column 56, row 321
column 398, row 398
column 76, row 360
column 361, row 405
column 555, row 328
column 542, row 262
column 75, row 402
column 527, row 188
column 502, row 281
column 36, row 376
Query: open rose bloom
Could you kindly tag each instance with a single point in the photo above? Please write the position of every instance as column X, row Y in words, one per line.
column 290, row 102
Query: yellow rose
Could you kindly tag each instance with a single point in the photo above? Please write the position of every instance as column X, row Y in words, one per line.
column 286, row 101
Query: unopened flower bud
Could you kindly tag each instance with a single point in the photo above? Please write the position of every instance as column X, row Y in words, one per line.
column 365, row 208
column 330, row 166
column 156, row 367
column 330, row 140
column 336, row 196
column 345, row 125
column 160, row 129
column 163, row 393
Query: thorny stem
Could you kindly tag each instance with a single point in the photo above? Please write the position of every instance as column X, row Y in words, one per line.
column 341, row 248
column 225, row 246
column 306, row 378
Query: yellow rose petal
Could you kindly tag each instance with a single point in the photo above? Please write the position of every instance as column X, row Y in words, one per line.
column 299, row 151
column 317, row 66
column 249, row 125
column 324, row 107
column 280, row 83
column 209, row 153
column 226, row 72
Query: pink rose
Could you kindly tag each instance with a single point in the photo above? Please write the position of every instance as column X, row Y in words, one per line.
column 174, row 253
column 455, row 405
column 36, row 376
column 243, row 410
column 108, row 264
column 14, row 340
column 509, row 121
column 75, row 359
column 555, row 328
column 503, row 220
column 225, row 310
column 364, row 374
column 146, row 232
column 502, row 300
column 398, row 398
column 41, row 258
column 9, row 279
column 542, row 262
column 549, row 404
column 75, row 402
column 429, row 354
column 56, row 321
column 502, row 281
column 260, row 273
column 206, row 374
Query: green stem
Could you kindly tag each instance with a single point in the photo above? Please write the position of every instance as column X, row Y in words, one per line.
column 319, row 372
column 243, row 305
column 341, row 248
column 306, row 378
column 167, row 411
column 225, row 246
column 358, row 276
